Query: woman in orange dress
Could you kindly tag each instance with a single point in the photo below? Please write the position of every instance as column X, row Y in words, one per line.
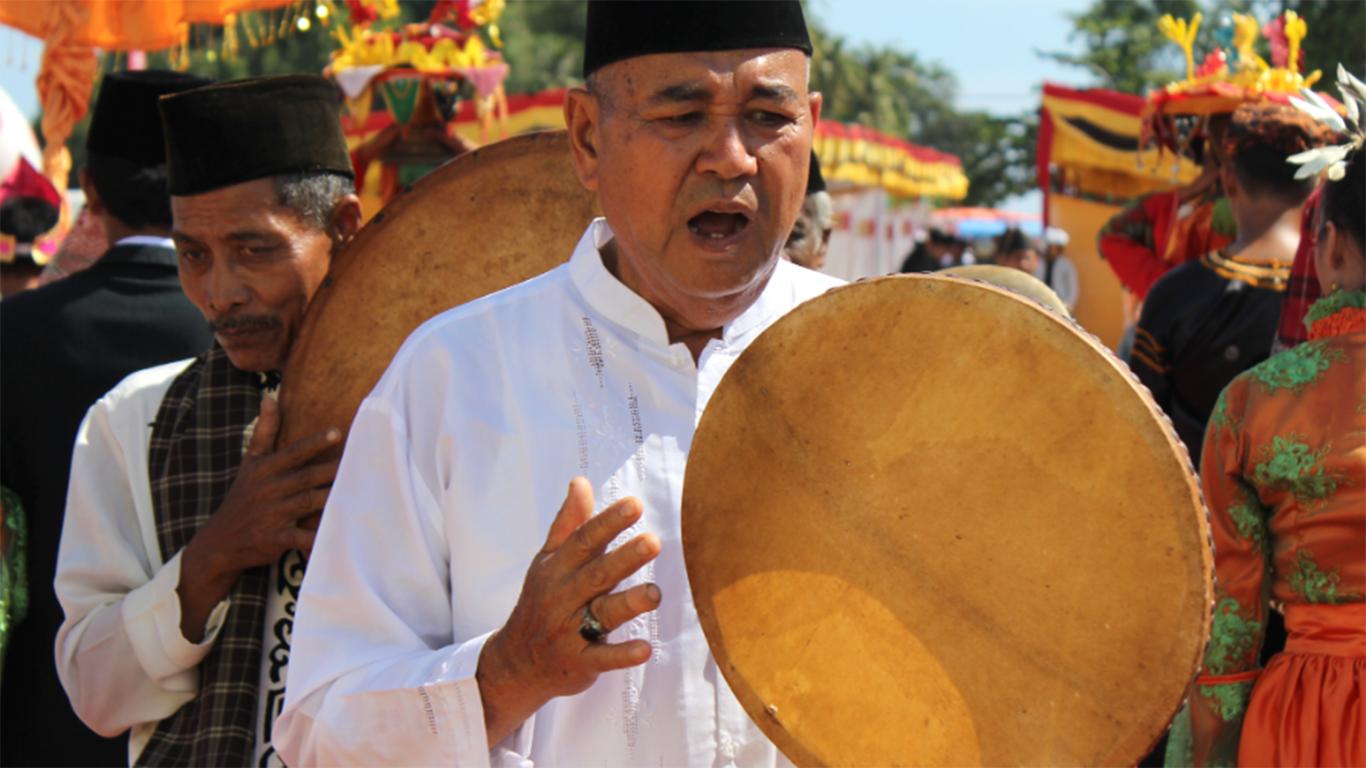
column 1284, row 473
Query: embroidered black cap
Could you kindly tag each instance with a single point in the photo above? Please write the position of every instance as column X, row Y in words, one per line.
column 125, row 122
column 242, row 130
column 624, row 29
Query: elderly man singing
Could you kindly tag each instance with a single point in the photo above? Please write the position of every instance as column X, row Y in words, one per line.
column 460, row 607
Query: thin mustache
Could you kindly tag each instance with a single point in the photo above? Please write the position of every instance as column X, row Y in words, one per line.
column 244, row 322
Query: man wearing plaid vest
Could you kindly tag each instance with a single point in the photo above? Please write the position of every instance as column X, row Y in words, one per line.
column 181, row 553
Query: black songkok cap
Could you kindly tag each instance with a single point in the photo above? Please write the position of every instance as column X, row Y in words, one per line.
column 125, row 122
column 624, row 29
column 235, row 132
column 815, row 182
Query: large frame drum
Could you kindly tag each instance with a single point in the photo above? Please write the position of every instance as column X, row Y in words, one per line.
column 482, row 222
column 928, row 522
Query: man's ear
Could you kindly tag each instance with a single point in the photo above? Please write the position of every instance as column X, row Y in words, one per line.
column 582, row 116
column 93, row 203
column 344, row 222
column 1328, row 246
column 814, row 101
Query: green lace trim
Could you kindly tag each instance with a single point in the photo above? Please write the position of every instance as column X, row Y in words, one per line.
column 1249, row 518
column 13, row 569
column 1313, row 583
column 1232, row 637
column 1229, row 699
column 1334, row 302
column 1289, row 464
column 1297, row 367
column 1221, row 221
column 1179, row 742
column 1219, row 418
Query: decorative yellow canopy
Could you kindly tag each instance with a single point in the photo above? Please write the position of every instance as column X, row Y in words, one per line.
column 862, row 156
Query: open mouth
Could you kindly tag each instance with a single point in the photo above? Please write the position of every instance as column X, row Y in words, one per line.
column 718, row 225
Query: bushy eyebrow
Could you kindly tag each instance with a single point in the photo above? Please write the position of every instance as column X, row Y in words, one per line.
column 774, row 92
column 688, row 93
column 678, row 93
column 240, row 236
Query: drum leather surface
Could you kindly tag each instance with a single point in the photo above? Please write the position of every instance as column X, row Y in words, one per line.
column 482, row 222
column 1013, row 280
column 927, row 522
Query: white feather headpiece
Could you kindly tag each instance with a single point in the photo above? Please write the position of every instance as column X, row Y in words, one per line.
column 1333, row 158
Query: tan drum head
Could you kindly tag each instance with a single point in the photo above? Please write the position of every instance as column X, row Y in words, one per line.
column 927, row 522
column 1013, row 279
column 480, row 223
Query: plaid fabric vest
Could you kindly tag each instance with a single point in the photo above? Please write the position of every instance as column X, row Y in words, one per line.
column 196, row 448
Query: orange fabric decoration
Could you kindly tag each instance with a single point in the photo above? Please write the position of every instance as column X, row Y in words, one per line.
column 1284, row 474
column 65, row 79
column 1309, row 705
column 1349, row 320
column 124, row 25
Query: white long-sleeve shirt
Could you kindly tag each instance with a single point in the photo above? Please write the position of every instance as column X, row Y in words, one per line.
column 454, row 469
column 120, row 653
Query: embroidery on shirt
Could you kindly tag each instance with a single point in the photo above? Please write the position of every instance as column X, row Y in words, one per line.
column 289, row 577
column 427, row 709
column 581, row 429
column 596, row 361
column 637, row 431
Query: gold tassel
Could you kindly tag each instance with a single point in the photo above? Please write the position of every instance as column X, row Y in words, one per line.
column 247, row 23
column 284, row 29
column 229, row 50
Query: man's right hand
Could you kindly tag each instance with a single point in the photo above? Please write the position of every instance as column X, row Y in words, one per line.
column 262, row 516
column 539, row 653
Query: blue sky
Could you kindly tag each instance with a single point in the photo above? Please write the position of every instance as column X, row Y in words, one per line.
column 988, row 44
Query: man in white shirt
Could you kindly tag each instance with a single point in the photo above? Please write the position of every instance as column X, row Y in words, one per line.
column 423, row 637
column 179, row 562
column 1058, row 271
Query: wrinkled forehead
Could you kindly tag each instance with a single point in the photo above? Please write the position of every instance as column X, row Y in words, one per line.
column 742, row 73
column 249, row 206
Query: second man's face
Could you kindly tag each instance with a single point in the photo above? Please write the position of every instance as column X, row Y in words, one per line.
column 251, row 266
column 701, row 167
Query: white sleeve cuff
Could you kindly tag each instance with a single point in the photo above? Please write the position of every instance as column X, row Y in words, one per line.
column 151, row 617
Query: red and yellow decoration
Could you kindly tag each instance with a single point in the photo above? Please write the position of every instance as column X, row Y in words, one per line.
column 414, row 75
column 1232, row 73
column 862, row 156
column 542, row 111
column 1090, row 146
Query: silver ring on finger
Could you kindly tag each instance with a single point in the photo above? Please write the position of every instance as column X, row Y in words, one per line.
column 590, row 628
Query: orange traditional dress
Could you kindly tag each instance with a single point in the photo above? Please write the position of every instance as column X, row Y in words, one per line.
column 1284, row 473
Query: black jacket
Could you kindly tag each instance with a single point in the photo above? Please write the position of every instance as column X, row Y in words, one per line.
column 62, row 347
column 1198, row 330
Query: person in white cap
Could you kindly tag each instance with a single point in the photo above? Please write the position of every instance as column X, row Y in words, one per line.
column 1057, row 270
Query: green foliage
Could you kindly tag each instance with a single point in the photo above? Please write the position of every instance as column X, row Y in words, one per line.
column 1337, row 34
column 543, row 44
column 1121, row 46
